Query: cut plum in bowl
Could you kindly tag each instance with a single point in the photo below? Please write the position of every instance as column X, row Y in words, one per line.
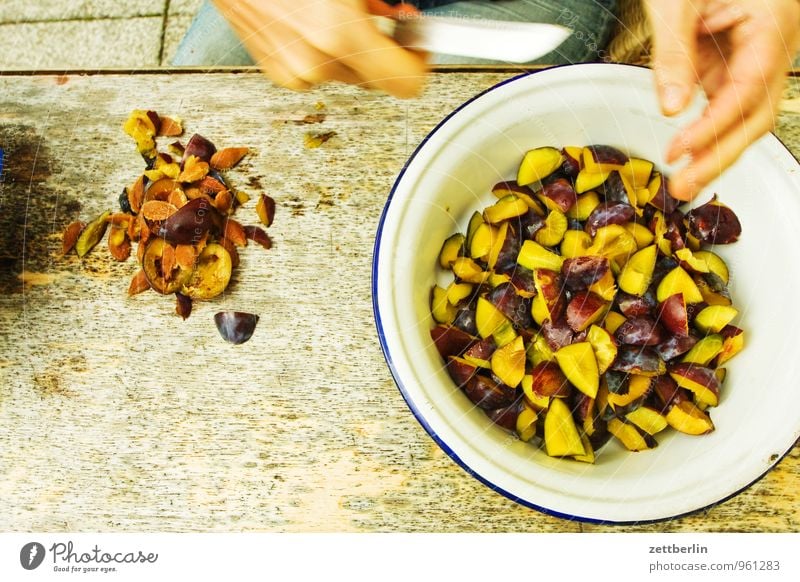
column 471, row 162
column 569, row 345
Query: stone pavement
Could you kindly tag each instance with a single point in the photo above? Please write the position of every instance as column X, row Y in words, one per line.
column 87, row 34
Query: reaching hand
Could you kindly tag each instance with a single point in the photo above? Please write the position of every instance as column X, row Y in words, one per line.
column 300, row 43
column 739, row 52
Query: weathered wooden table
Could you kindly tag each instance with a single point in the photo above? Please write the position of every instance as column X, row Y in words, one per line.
column 116, row 415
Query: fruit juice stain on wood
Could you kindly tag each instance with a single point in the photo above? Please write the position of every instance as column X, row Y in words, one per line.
column 326, row 199
column 255, row 183
column 295, row 205
column 33, row 279
column 50, row 384
column 50, row 381
column 309, row 119
column 30, row 204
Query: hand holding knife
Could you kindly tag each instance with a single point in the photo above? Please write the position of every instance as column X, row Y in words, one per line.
column 302, row 43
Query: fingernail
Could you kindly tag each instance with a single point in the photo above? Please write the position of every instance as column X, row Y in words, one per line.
column 682, row 195
column 681, row 188
column 673, row 98
column 679, row 147
column 674, row 153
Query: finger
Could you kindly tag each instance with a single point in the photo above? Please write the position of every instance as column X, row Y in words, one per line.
column 345, row 74
column 713, row 78
column 742, row 93
column 789, row 34
column 262, row 51
column 282, row 76
column 719, row 15
column 376, row 59
column 386, row 66
column 256, row 34
column 286, row 57
column 307, row 63
column 755, row 78
column 674, row 31
column 249, row 24
column 709, row 164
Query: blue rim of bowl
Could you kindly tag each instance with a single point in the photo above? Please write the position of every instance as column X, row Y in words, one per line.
column 415, row 410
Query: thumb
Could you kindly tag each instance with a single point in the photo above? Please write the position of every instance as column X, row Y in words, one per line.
column 674, row 32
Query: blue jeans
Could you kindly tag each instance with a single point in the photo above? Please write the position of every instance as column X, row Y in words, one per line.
column 210, row 41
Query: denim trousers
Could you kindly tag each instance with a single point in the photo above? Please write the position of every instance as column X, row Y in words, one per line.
column 210, row 41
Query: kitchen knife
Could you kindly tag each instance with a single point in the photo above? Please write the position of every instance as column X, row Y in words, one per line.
column 497, row 40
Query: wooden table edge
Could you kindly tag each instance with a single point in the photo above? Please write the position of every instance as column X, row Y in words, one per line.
column 795, row 72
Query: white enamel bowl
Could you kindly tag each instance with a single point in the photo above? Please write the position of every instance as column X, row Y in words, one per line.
column 450, row 175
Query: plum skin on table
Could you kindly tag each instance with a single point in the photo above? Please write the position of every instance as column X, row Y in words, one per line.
column 179, row 214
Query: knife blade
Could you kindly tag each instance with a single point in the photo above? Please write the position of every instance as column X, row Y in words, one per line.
column 497, row 40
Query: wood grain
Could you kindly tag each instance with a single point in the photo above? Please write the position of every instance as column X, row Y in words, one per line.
column 116, row 415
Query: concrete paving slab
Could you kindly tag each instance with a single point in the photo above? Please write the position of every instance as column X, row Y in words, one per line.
column 90, row 44
column 177, row 25
column 37, row 10
column 184, row 6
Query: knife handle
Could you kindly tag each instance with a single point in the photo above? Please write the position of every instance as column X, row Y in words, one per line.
column 396, row 12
